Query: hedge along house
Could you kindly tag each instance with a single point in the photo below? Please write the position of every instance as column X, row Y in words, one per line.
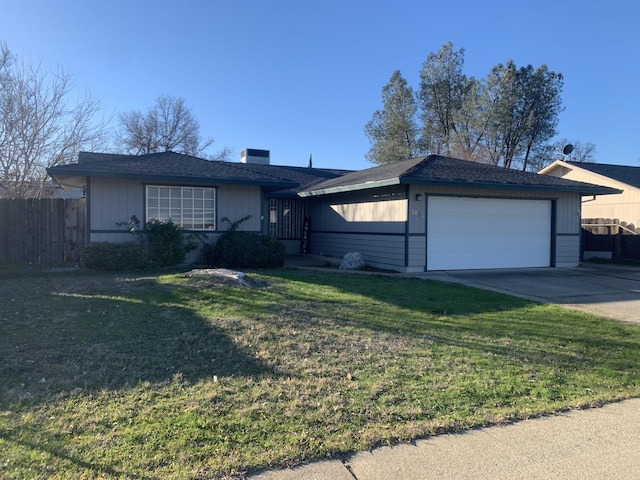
column 441, row 213
column 194, row 193
column 428, row 213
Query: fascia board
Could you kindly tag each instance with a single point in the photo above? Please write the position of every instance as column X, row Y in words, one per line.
column 350, row 188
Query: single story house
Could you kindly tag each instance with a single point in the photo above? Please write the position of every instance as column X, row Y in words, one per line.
column 197, row 194
column 624, row 206
column 427, row 213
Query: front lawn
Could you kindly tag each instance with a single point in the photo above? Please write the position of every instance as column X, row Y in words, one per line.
column 161, row 376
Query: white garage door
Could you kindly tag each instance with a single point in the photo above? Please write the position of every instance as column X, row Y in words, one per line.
column 473, row 233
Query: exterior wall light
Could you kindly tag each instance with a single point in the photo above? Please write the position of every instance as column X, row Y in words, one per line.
column 418, row 197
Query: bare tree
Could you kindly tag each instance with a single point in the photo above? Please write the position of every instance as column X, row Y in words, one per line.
column 39, row 127
column 168, row 126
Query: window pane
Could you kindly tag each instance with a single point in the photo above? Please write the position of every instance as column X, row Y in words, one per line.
column 188, row 207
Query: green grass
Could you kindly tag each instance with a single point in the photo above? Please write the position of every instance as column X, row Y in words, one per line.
column 165, row 377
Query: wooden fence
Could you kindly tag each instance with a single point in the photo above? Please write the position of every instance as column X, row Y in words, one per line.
column 620, row 239
column 47, row 231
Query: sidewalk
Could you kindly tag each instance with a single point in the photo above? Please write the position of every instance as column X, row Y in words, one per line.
column 599, row 443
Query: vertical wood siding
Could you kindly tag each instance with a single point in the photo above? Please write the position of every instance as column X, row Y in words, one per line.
column 114, row 200
column 238, row 201
column 111, row 201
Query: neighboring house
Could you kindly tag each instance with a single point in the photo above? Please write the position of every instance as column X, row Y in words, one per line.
column 428, row 213
column 624, row 206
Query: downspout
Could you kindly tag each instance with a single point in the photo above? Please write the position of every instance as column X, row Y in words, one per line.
column 406, row 226
column 426, row 232
column 87, row 212
column 554, row 229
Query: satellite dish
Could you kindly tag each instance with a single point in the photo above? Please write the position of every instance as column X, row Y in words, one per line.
column 568, row 148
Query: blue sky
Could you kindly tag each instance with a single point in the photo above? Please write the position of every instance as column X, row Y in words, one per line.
column 300, row 78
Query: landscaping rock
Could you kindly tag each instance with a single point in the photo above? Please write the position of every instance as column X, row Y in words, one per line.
column 223, row 276
column 352, row 261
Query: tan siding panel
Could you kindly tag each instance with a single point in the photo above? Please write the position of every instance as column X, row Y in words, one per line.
column 354, row 212
column 624, row 206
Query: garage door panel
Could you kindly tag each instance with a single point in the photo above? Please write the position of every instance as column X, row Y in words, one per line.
column 470, row 233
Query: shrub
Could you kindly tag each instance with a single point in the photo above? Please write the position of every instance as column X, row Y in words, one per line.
column 244, row 250
column 115, row 256
column 167, row 243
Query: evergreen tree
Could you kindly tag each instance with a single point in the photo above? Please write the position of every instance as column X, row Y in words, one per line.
column 506, row 119
column 392, row 131
column 527, row 103
column 450, row 104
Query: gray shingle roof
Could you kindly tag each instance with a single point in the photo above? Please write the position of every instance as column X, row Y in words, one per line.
column 439, row 170
column 622, row 173
column 286, row 180
column 176, row 167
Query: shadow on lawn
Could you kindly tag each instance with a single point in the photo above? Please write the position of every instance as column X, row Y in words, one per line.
column 105, row 332
column 473, row 319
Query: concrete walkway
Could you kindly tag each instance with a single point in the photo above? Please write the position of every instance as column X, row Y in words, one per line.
column 600, row 443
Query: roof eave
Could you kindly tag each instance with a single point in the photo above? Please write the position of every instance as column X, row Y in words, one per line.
column 552, row 166
column 71, row 173
column 350, row 188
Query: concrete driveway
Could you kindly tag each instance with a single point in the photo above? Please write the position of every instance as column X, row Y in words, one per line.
column 607, row 290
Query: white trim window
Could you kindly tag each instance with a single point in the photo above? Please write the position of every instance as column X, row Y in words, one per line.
column 192, row 208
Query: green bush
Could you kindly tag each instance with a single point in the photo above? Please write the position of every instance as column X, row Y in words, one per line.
column 115, row 256
column 244, row 250
column 167, row 243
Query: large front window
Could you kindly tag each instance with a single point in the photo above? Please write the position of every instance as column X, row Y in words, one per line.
column 187, row 207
